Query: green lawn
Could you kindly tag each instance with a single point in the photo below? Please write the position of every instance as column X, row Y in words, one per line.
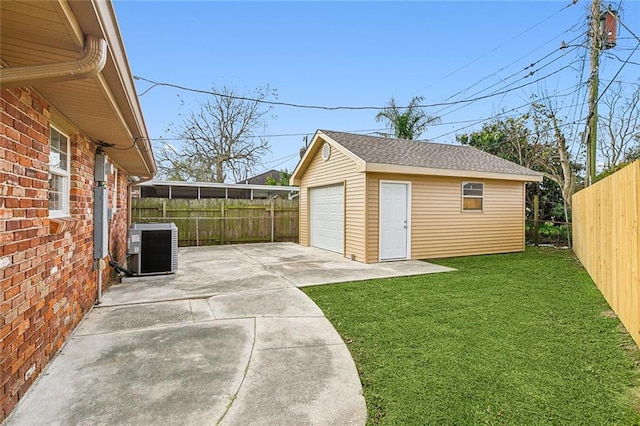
column 520, row 339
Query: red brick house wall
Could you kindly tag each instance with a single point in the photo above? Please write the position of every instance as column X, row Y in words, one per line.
column 47, row 275
column 118, row 199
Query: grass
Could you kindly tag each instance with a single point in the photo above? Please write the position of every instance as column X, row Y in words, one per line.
column 519, row 339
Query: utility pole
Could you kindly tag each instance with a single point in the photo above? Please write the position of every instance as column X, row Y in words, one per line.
column 592, row 125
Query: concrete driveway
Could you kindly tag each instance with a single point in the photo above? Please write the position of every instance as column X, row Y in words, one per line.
column 229, row 340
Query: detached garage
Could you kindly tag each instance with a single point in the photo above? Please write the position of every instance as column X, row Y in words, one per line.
column 376, row 199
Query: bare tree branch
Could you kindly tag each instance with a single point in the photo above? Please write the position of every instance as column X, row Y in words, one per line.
column 556, row 162
column 220, row 140
column 620, row 125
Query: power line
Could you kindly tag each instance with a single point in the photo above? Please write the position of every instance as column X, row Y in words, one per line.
column 440, row 124
column 500, row 46
column 514, row 74
column 273, row 136
column 256, row 136
column 505, row 91
column 281, row 160
column 335, row 108
column 614, row 56
column 275, row 166
column 531, row 73
column 445, row 104
column 245, row 98
column 629, row 29
column 578, row 92
column 505, row 113
column 619, row 71
column 472, row 121
column 531, row 65
column 630, row 83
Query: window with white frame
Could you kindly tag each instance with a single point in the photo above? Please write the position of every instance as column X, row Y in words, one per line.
column 58, row 173
column 472, row 196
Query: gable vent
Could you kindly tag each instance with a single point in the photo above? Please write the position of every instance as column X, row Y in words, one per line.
column 326, row 151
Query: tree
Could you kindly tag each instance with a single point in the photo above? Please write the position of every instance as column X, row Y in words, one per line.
column 540, row 141
column 221, row 139
column 282, row 181
column 620, row 126
column 174, row 166
column 511, row 139
column 535, row 140
column 508, row 139
column 406, row 123
column 556, row 162
column 633, row 154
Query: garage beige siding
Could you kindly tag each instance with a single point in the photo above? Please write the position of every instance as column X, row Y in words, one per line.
column 373, row 218
column 439, row 228
column 339, row 169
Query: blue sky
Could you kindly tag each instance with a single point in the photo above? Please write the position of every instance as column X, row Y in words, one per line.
column 362, row 53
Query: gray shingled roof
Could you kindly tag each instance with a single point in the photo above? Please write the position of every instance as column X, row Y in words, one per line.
column 261, row 179
column 403, row 152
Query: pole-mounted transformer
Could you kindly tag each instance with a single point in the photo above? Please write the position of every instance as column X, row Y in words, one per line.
column 609, row 29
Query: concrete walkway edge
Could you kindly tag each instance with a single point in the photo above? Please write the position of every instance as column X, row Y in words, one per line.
column 230, row 340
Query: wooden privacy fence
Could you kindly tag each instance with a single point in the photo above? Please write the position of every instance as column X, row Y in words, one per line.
column 607, row 241
column 219, row 221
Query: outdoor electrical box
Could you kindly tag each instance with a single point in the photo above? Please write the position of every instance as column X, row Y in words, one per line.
column 100, row 222
column 153, row 248
column 101, row 168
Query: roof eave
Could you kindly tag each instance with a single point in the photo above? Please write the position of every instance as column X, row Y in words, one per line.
column 302, row 165
column 318, row 138
column 428, row 171
column 276, row 188
column 107, row 83
column 105, row 13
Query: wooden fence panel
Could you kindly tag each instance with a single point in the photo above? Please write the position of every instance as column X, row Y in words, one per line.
column 222, row 221
column 607, row 241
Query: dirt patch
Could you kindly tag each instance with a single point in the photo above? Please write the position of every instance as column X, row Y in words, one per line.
column 609, row 314
column 634, row 396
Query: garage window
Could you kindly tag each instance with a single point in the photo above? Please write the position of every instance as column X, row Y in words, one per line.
column 472, row 196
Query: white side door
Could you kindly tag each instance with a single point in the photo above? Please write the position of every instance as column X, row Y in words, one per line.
column 394, row 220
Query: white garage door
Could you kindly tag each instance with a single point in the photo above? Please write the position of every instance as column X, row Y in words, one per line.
column 326, row 211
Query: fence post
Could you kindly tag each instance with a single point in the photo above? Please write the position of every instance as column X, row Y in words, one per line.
column 164, row 209
column 536, row 218
column 223, row 227
column 273, row 225
column 197, row 233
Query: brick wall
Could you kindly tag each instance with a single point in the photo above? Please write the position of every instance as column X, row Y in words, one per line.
column 118, row 226
column 47, row 278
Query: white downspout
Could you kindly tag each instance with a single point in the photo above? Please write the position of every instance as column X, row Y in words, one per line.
column 93, row 61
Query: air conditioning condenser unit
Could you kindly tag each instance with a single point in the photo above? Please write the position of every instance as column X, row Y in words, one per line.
column 153, row 248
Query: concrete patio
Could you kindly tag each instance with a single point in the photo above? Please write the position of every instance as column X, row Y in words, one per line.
column 228, row 340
